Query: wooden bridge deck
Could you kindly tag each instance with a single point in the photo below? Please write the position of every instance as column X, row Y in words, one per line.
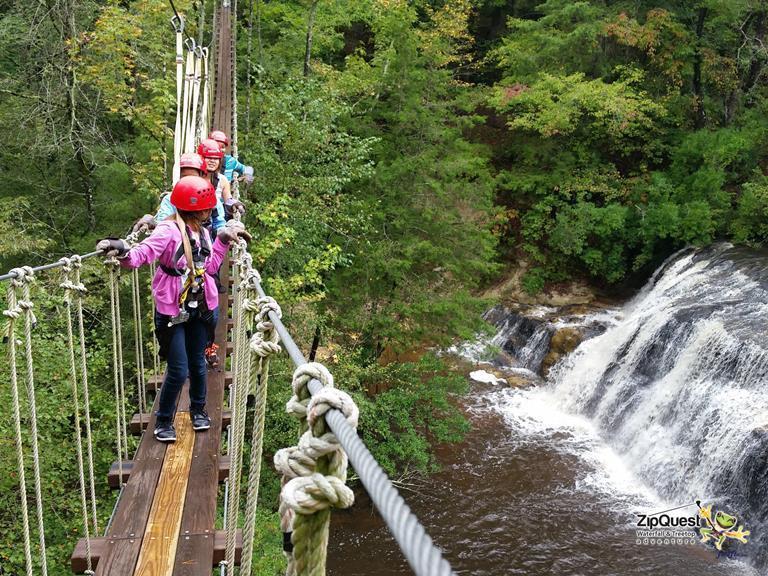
column 165, row 521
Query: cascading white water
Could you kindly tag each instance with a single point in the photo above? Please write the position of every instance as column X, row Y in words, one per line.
column 679, row 386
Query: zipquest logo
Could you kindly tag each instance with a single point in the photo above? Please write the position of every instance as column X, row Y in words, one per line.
column 715, row 530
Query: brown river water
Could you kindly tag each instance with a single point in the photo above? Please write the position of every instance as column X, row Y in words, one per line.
column 530, row 491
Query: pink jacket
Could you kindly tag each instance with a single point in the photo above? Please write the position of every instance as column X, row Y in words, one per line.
column 162, row 245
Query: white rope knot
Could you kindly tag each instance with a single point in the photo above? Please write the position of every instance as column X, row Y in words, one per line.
column 310, row 494
column 297, row 405
column 251, row 304
column 24, row 274
column 67, row 284
column 267, row 305
column 301, row 460
column 328, row 398
column 262, row 347
column 292, row 462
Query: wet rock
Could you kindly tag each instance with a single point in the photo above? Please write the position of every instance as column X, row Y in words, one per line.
column 563, row 342
column 485, row 377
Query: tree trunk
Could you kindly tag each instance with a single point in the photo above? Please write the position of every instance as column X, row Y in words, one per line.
column 698, row 97
column 315, row 344
column 756, row 63
column 308, row 49
column 75, row 135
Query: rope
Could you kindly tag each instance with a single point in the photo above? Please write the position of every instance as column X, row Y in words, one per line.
column 178, row 24
column 79, row 291
column 132, row 239
column 233, row 51
column 117, row 362
column 238, row 400
column 70, row 287
column 139, row 344
column 29, row 321
column 263, row 344
column 155, row 356
column 314, row 471
column 12, row 313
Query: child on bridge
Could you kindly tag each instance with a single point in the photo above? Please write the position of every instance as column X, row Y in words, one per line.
column 186, row 298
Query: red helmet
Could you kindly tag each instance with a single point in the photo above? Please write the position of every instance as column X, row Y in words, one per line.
column 209, row 148
column 219, row 136
column 192, row 160
column 193, row 193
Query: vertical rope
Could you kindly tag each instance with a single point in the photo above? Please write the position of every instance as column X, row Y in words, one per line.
column 233, row 48
column 155, row 356
column 76, row 266
column 178, row 25
column 70, row 287
column 263, row 344
column 29, row 321
column 315, row 471
column 12, row 313
column 139, row 345
column 238, row 399
column 117, row 367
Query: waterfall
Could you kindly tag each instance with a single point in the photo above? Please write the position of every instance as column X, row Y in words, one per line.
column 523, row 338
column 679, row 385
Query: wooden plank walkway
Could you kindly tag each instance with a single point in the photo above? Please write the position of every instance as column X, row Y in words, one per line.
column 165, row 521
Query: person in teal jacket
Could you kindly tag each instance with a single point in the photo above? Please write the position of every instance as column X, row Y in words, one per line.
column 190, row 165
column 230, row 165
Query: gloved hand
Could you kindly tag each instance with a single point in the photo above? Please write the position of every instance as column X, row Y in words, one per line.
column 231, row 231
column 113, row 247
column 147, row 221
column 232, row 205
column 248, row 174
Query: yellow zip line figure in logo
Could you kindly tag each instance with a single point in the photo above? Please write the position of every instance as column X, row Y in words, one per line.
column 721, row 527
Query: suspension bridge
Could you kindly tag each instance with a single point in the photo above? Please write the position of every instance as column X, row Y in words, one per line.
column 165, row 519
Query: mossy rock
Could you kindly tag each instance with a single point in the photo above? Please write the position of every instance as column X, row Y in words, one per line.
column 563, row 342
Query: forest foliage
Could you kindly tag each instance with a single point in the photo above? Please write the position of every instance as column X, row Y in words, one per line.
column 418, row 149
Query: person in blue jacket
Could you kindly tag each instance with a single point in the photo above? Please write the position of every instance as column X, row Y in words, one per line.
column 190, row 165
column 230, row 164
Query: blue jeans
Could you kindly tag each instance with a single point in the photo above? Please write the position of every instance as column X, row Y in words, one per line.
column 184, row 345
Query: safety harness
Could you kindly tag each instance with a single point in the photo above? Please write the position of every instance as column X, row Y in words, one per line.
column 192, row 291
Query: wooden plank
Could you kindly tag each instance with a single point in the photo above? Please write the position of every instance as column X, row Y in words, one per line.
column 158, row 548
column 113, row 478
column 101, row 546
column 153, row 382
column 139, row 421
column 220, row 546
column 194, row 556
column 130, row 517
column 78, row 561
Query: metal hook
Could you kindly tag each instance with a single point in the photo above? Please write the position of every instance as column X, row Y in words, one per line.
column 199, row 52
column 178, row 24
column 190, row 44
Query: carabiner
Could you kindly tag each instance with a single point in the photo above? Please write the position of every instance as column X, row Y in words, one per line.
column 177, row 22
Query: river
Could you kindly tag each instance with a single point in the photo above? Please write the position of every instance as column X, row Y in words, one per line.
column 664, row 407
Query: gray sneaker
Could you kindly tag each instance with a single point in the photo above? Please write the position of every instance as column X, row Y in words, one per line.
column 164, row 431
column 200, row 419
